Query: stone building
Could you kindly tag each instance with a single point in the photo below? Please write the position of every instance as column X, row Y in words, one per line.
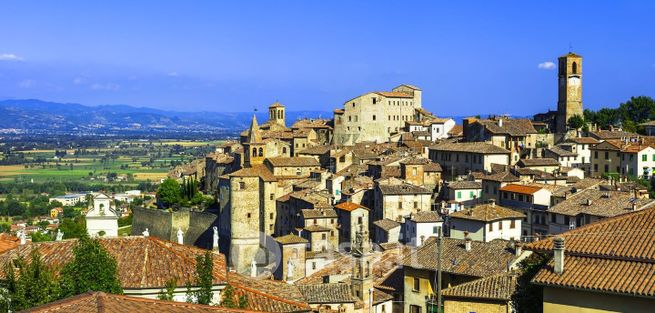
column 462, row 158
column 375, row 116
column 397, row 200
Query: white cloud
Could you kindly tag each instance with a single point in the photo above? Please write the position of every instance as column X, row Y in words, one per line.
column 26, row 83
column 108, row 87
column 173, row 74
column 78, row 80
column 546, row 65
column 10, row 57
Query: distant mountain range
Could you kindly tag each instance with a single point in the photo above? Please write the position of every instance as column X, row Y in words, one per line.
column 37, row 116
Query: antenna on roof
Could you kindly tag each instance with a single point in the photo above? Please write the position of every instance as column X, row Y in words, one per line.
column 570, row 47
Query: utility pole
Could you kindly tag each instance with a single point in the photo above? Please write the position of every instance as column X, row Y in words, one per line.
column 439, row 248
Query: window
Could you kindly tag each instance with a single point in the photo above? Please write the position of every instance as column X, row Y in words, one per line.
column 416, row 204
column 644, row 157
column 261, row 152
column 575, row 68
column 242, row 185
column 595, row 154
column 417, row 284
column 414, row 308
column 414, row 170
column 271, row 196
column 553, row 218
column 491, row 227
column 472, row 194
column 566, row 220
column 359, row 220
column 512, row 224
column 374, row 117
column 313, row 265
column 400, row 204
column 254, row 152
column 323, row 236
column 374, row 101
column 270, row 215
column 248, row 215
column 607, row 155
column 284, row 150
column 500, row 225
column 459, row 195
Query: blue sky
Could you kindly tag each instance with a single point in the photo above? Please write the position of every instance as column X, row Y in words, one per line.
column 469, row 57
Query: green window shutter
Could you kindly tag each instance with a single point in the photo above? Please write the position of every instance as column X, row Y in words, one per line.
column 459, row 194
column 644, row 158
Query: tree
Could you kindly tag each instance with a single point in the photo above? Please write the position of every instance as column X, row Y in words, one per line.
column 92, row 269
column 576, row 122
column 169, row 192
column 33, row 285
column 169, row 291
column 204, row 278
column 528, row 297
column 73, row 228
column 228, row 297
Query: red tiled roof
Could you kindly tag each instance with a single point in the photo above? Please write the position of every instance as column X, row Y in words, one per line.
column 143, row 262
column 349, row 206
column 97, row 302
column 614, row 255
column 522, row 189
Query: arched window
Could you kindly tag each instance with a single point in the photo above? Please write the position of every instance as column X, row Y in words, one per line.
column 575, row 68
column 261, row 152
column 284, row 150
column 254, row 152
column 279, row 114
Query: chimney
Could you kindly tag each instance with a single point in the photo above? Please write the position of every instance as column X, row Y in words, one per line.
column 589, row 202
column 500, row 122
column 467, row 241
column 634, row 205
column 558, row 250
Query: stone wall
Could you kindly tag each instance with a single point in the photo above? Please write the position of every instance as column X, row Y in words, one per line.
column 197, row 226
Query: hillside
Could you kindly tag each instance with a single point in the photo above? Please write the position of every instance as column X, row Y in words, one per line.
column 39, row 116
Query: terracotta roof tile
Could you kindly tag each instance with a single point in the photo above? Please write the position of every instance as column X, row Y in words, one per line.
column 100, row 302
column 487, row 213
column 522, row 189
column 496, row 287
column 484, row 258
column 349, row 206
column 614, row 255
column 327, row 293
column 143, row 262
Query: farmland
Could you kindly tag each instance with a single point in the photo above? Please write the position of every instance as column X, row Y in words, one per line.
column 103, row 161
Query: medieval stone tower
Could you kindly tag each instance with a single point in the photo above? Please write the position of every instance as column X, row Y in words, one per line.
column 276, row 113
column 254, row 148
column 569, row 100
column 362, row 278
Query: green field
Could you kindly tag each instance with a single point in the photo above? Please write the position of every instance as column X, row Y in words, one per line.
column 137, row 160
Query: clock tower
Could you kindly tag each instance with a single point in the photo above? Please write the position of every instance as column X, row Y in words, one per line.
column 569, row 100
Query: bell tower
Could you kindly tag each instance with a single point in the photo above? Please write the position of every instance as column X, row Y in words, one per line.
column 569, row 99
column 362, row 278
column 277, row 113
column 254, row 149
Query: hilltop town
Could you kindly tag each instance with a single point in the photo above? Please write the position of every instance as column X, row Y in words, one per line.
column 386, row 207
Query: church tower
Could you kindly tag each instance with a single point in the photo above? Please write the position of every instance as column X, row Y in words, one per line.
column 362, row 278
column 569, row 100
column 254, row 148
column 276, row 113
